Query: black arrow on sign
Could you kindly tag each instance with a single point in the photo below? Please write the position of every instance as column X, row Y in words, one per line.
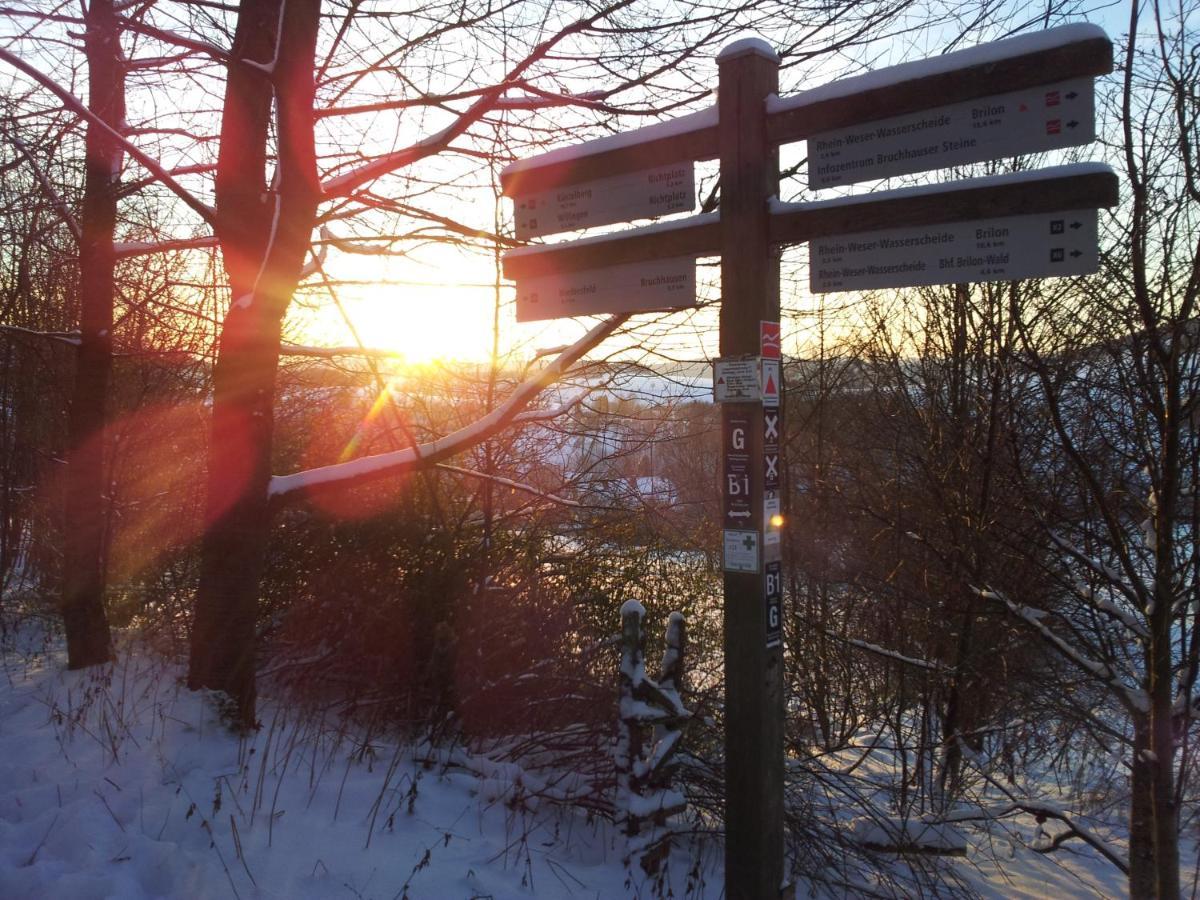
column 1072, row 124
column 1076, row 225
column 1077, row 253
column 1071, row 95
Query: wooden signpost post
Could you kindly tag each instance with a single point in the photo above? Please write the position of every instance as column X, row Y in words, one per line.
column 1023, row 95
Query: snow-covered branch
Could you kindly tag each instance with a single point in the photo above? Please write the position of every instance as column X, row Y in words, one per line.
column 63, row 337
column 175, row 39
column 1134, row 699
column 508, row 482
column 892, row 654
column 1041, row 810
column 384, row 465
column 545, row 415
column 1113, row 578
column 127, row 249
column 333, row 352
column 346, row 183
column 534, row 98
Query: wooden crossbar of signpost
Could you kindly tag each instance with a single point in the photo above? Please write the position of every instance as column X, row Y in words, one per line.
column 994, row 197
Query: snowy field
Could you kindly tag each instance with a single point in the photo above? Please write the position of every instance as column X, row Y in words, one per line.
column 123, row 784
column 120, row 783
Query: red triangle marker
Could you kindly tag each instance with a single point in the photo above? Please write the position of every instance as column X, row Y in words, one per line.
column 770, row 389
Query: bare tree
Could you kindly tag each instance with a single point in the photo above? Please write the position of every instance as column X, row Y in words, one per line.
column 1110, row 456
column 84, row 619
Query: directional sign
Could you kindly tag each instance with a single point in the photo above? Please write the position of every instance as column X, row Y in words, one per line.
column 740, row 550
column 1027, row 121
column 634, row 287
column 1003, row 249
column 618, row 198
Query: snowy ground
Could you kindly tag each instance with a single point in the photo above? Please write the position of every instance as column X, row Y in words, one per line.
column 123, row 784
column 129, row 788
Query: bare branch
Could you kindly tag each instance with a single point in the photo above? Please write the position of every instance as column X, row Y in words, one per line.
column 76, row 106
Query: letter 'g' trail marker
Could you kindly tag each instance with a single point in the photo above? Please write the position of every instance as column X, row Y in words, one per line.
column 1022, row 95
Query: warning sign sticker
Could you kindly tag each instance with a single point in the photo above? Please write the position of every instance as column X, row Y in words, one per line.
column 736, row 381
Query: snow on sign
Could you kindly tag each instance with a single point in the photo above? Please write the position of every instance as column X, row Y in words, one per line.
column 631, row 287
column 618, row 198
column 1002, row 249
column 1048, row 117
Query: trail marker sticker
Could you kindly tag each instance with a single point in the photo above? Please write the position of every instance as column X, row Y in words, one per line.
column 773, row 591
column 768, row 340
column 772, row 518
column 736, row 487
column 771, row 471
column 770, row 382
column 771, row 427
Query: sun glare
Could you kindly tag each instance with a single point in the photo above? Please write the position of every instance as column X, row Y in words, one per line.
column 406, row 308
column 426, row 323
column 419, row 320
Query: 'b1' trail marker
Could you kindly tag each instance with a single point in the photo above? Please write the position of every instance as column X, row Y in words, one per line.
column 1022, row 95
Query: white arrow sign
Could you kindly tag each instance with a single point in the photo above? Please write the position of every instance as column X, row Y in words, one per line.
column 1004, row 249
column 1028, row 121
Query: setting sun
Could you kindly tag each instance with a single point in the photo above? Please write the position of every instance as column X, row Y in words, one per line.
column 419, row 311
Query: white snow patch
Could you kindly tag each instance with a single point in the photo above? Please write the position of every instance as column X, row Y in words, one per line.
column 746, row 45
column 778, row 207
column 991, row 52
column 697, row 121
column 117, row 782
column 633, row 608
column 669, row 225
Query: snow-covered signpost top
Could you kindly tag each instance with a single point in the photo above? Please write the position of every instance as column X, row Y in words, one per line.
column 1022, row 95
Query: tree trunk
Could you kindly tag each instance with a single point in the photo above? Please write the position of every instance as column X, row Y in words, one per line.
column 84, row 619
column 1141, row 819
column 1162, row 745
column 264, row 234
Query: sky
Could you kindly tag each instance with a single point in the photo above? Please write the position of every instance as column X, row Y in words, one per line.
column 435, row 302
column 439, row 304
